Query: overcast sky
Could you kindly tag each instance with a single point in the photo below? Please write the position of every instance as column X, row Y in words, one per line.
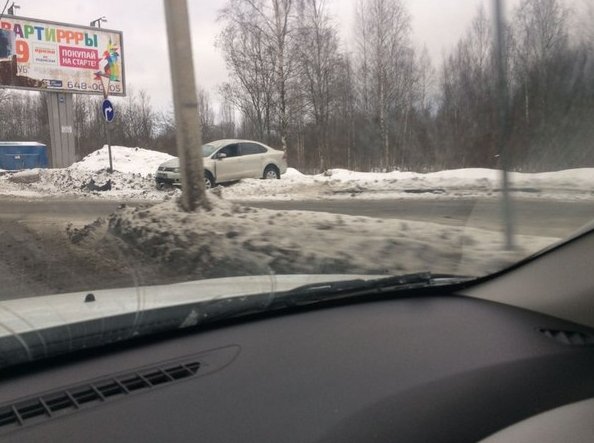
column 438, row 24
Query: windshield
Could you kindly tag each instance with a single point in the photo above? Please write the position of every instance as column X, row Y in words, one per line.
column 407, row 137
column 209, row 149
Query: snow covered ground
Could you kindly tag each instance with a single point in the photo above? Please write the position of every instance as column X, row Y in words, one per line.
column 575, row 184
column 133, row 179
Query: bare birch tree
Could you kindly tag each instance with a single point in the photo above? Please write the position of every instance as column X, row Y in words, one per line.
column 540, row 35
column 383, row 29
column 317, row 56
column 468, row 113
column 269, row 21
column 249, row 55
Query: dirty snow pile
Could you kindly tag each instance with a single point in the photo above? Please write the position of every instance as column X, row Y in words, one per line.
column 574, row 184
column 132, row 178
column 232, row 240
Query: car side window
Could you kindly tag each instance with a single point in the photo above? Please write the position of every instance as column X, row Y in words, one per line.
column 251, row 149
column 230, row 150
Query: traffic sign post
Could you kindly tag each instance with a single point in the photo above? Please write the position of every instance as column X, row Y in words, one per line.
column 109, row 148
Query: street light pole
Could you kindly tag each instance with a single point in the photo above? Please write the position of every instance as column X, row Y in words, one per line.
column 97, row 22
column 185, row 102
column 12, row 7
column 504, row 124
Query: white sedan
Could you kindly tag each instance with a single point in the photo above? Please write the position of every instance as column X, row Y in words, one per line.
column 229, row 160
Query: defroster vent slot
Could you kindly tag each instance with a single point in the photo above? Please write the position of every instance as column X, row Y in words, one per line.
column 70, row 399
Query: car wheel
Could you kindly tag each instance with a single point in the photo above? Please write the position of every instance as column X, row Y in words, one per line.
column 271, row 172
column 164, row 186
column 208, row 180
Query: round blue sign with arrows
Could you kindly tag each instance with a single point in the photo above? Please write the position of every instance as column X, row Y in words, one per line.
column 108, row 111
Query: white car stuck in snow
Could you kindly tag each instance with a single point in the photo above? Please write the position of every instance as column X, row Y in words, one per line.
column 229, row 160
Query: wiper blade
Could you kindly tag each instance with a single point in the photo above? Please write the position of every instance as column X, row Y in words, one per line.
column 100, row 332
column 234, row 307
column 317, row 292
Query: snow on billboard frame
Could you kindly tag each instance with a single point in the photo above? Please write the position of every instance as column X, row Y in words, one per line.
column 43, row 55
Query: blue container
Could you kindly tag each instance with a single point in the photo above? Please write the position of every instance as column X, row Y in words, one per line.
column 22, row 155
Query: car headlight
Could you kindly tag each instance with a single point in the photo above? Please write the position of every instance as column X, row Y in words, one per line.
column 176, row 170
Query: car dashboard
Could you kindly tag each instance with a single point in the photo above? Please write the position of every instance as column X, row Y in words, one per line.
column 430, row 368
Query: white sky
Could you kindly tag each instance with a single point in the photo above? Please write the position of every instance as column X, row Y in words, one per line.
column 438, row 24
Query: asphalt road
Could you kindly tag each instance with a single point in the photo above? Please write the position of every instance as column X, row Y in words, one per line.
column 53, row 209
column 535, row 217
column 532, row 217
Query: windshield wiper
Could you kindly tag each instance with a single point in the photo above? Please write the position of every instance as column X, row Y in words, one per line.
column 320, row 292
column 43, row 343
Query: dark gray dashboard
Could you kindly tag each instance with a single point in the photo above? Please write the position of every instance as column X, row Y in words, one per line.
column 447, row 368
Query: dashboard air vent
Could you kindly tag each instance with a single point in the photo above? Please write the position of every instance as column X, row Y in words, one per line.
column 572, row 338
column 60, row 402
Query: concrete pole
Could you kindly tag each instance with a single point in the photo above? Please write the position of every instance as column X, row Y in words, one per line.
column 60, row 110
column 504, row 129
column 185, row 102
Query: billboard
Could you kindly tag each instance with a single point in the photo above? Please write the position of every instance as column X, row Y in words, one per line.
column 48, row 56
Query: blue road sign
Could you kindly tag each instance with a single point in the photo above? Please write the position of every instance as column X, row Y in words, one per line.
column 108, row 111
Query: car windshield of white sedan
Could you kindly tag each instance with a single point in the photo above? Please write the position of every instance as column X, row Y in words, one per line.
column 209, row 149
column 368, row 138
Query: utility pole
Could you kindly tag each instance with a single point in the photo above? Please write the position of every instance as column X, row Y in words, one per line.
column 504, row 124
column 185, row 103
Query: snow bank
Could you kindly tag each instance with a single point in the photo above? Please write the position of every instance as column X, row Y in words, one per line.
column 575, row 184
column 292, row 173
column 126, row 160
column 27, row 176
column 133, row 178
column 232, row 240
